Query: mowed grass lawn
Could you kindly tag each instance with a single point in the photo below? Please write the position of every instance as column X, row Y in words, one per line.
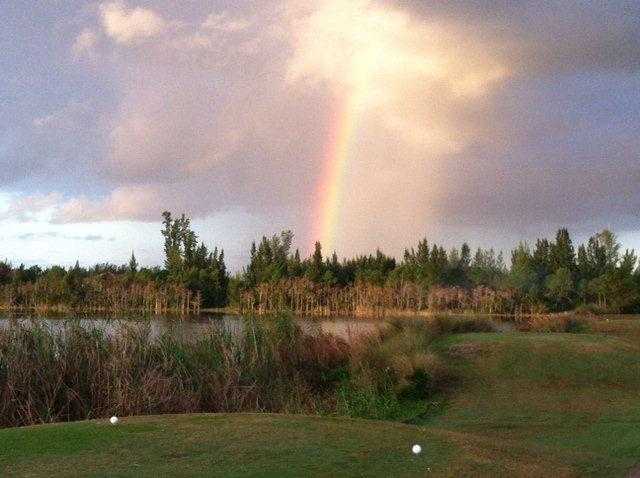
column 545, row 404
column 526, row 405
column 222, row 445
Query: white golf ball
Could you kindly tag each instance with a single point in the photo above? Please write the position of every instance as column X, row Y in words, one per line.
column 113, row 420
column 416, row 449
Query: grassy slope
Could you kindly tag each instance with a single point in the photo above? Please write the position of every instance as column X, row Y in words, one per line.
column 220, row 445
column 545, row 404
column 527, row 405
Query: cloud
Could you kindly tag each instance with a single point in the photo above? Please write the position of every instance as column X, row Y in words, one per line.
column 127, row 26
column 363, row 46
column 65, row 117
column 31, row 207
column 89, row 238
column 84, row 43
column 225, row 23
column 36, row 236
column 544, row 38
column 52, row 148
column 392, row 68
column 41, row 121
column 126, row 203
column 266, row 123
column 505, row 116
column 407, row 89
column 220, row 31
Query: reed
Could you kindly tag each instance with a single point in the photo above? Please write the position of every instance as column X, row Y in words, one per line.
column 100, row 293
column 364, row 299
column 76, row 373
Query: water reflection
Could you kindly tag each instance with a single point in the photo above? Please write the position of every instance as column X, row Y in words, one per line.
column 346, row 328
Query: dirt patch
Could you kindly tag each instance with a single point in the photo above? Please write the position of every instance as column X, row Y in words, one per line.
column 634, row 473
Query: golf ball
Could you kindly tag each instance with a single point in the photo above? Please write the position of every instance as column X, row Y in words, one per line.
column 114, row 420
column 416, row 449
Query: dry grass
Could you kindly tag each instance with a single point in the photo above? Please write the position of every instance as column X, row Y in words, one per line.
column 80, row 373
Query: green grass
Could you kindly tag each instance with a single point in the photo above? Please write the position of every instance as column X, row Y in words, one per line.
column 545, row 404
column 222, row 445
column 525, row 404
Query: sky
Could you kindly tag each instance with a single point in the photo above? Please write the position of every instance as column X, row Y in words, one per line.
column 361, row 123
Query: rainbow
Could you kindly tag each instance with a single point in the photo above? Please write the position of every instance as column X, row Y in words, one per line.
column 335, row 159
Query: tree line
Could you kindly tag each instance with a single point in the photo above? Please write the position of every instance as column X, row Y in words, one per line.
column 546, row 276
column 192, row 277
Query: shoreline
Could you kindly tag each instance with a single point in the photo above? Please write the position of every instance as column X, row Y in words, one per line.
column 389, row 314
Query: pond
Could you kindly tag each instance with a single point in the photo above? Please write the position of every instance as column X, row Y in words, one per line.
column 346, row 328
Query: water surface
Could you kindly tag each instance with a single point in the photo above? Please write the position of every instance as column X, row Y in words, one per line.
column 346, row 328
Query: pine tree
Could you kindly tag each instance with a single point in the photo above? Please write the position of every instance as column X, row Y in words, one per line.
column 316, row 268
column 465, row 256
column 562, row 253
column 133, row 263
column 172, row 245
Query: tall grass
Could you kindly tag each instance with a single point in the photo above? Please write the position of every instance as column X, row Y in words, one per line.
column 393, row 373
column 76, row 372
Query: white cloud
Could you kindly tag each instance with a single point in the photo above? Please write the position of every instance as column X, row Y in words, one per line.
column 84, row 42
column 404, row 87
column 45, row 120
column 212, row 33
column 409, row 73
column 130, row 25
column 66, row 116
column 225, row 23
column 195, row 41
column 132, row 202
column 374, row 52
column 31, row 207
column 41, row 243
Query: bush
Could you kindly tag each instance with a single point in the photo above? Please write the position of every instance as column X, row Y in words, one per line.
column 589, row 310
column 568, row 324
column 392, row 370
column 445, row 325
column 574, row 325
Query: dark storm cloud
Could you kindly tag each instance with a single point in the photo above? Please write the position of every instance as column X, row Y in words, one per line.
column 54, row 150
column 559, row 145
column 547, row 37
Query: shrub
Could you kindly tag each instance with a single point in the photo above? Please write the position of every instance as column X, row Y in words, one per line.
column 391, row 370
column 445, row 325
column 590, row 310
column 574, row 325
column 568, row 324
